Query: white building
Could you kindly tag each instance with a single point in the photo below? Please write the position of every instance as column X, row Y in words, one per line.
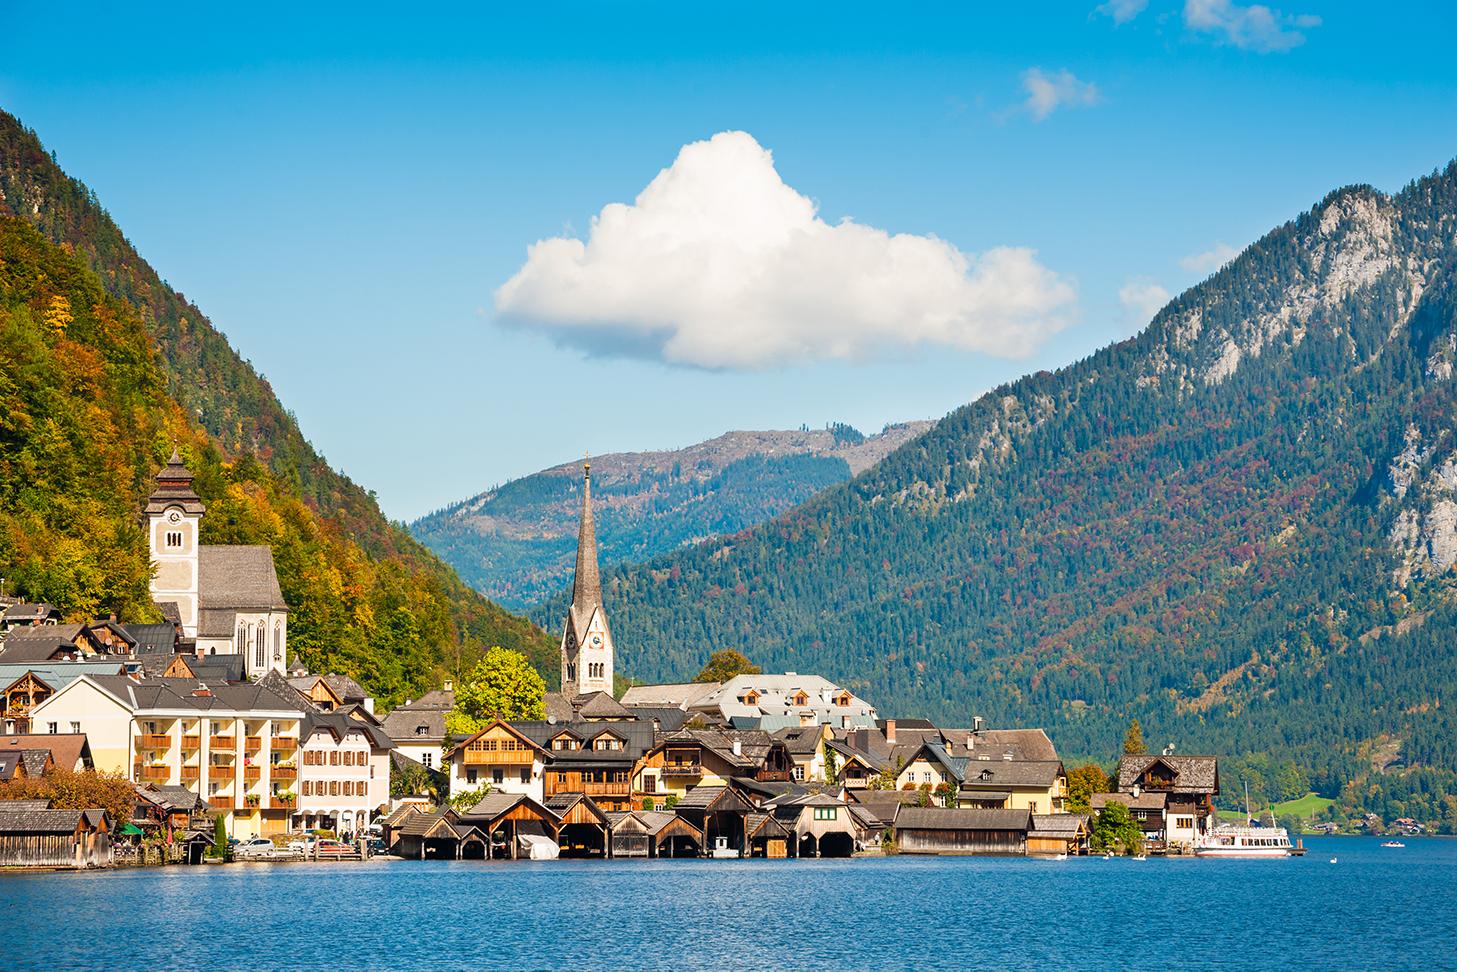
column 417, row 728
column 344, row 770
column 225, row 597
column 501, row 756
column 775, row 701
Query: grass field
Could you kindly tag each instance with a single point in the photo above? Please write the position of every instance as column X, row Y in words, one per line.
column 1305, row 808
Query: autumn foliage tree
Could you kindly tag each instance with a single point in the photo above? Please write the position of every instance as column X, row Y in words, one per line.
column 1133, row 744
column 1082, row 782
column 71, row 790
column 502, row 685
column 724, row 664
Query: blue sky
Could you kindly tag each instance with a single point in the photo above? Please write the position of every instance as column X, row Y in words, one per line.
column 344, row 191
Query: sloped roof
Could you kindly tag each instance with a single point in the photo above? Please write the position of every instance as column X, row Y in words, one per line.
column 174, row 488
column 882, row 804
column 39, row 821
column 558, row 707
column 495, row 803
column 801, row 740
column 562, row 803
column 1192, row 774
column 345, row 687
column 153, row 637
column 41, row 644
column 1004, row 772
column 341, row 722
column 403, row 724
column 678, row 695
column 1067, row 825
column 421, row 824
column 1147, row 800
column 667, row 719
column 28, row 612
column 69, row 749
column 238, row 577
column 937, row 818
column 184, row 693
column 10, row 764
column 600, row 705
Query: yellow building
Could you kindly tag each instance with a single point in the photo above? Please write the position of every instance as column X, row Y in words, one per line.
column 987, row 781
column 234, row 745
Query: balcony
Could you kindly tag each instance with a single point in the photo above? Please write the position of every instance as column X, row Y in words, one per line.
column 606, row 789
column 191, row 741
column 252, row 744
column 252, row 801
column 284, row 744
column 191, row 773
column 222, row 742
column 772, row 776
column 683, row 769
column 154, row 774
column 499, row 757
column 281, row 801
column 154, row 740
column 221, row 801
column 252, row 774
column 282, row 773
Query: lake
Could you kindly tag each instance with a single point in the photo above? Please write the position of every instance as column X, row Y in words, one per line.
column 1375, row 907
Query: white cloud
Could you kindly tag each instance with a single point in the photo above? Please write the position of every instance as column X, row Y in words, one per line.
column 719, row 264
column 1048, row 92
column 1210, row 260
column 1122, row 11
column 1141, row 300
column 1255, row 27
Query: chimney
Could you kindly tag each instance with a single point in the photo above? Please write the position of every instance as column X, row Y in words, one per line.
column 890, row 732
column 976, row 724
column 971, row 742
column 449, row 685
column 738, row 748
column 844, row 722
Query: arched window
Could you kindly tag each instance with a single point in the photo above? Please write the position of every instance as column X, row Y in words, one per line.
column 242, row 645
column 260, row 648
column 278, row 641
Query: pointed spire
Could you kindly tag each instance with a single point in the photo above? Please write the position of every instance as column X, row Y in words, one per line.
column 586, row 584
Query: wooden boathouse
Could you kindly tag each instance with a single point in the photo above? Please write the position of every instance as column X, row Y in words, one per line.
column 933, row 830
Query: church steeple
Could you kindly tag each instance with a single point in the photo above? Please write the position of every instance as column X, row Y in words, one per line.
column 174, row 514
column 586, row 649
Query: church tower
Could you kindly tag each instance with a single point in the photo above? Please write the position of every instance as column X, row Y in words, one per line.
column 586, row 639
column 174, row 513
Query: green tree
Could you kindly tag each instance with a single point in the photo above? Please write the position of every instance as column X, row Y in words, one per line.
column 1133, row 744
column 219, row 837
column 832, row 764
column 465, row 799
column 946, row 792
column 415, row 780
column 1116, row 830
column 1082, row 782
column 502, row 685
column 724, row 664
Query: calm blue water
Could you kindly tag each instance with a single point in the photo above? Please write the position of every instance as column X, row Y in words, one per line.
column 1375, row 908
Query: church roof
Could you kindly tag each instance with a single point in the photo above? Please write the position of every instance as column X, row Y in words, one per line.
column 174, row 488
column 238, row 578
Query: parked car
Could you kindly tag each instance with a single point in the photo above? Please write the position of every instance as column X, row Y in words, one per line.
column 255, row 848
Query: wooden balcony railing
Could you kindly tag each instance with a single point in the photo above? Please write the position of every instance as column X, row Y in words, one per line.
column 154, row 740
column 221, row 801
column 283, row 772
column 284, row 744
column 606, row 789
column 191, row 741
column 252, row 773
column 279, row 802
column 253, row 743
column 154, row 774
column 499, row 757
column 682, row 769
column 222, row 742
column 191, row 773
column 218, row 772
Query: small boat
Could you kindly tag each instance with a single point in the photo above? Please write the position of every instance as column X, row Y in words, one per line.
column 1392, row 843
column 721, row 848
column 1140, row 857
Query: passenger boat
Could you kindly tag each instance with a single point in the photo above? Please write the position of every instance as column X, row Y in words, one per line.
column 1250, row 840
column 1392, row 843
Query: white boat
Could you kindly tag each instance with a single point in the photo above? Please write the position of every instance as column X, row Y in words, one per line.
column 534, row 847
column 721, row 848
column 1249, row 841
column 1392, row 843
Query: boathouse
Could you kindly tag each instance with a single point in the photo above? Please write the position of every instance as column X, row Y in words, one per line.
column 932, row 830
column 33, row 835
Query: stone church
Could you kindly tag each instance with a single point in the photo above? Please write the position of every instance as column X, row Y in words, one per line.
column 586, row 648
column 226, row 598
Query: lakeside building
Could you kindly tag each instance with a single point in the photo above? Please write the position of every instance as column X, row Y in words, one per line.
column 343, row 769
column 417, row 728
column 775, row 701
column 1176, row 793
column 235, row 745
column 502, row 756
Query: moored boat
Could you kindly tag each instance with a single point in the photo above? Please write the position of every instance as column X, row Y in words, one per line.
column 1392, row 843
column 1254, row 841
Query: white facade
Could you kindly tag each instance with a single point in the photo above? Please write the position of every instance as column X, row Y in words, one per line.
column 343, row 781
column 587, row 656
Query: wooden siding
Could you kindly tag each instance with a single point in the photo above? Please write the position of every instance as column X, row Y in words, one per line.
column 1004, row 842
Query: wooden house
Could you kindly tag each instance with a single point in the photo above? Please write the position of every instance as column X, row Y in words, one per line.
column 765, row 835
column 1189, row 785
column 34, row 837
column 935, row 830
column 503, row 817
column 594, row 758
column 1058, row 834
column 681, row 761
column 821, row 825
column 427, row 836
column 652, row 833
column 718, row 812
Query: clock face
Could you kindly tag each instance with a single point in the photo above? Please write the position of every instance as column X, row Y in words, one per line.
column 596, row 639
column 174, row 516
column 571, row 641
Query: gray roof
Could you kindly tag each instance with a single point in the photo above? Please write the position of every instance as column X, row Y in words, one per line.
column 343, row 720
column 599, row 705
column 189, row 693
column 26, row 612
column 25, row 804
column 495, row 803
column 345, row 687
column 1067, row 825
column 666, row 719
column 882, row 804
column 40, row 644
column 754, row 744
column 238, row 578
column 936, row 818
column 678, row 695
column 1144, row 801
column 801, row 740
column 699, row 797
column 409, row 726
column 42, row 821
column 11, row 762
column 173, row 797
column 153, row 637
column 1009, row 772
column 1192, row 774
column 637, row 737
column 420, row 823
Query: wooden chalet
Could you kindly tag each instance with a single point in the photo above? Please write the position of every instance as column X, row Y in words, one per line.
column 1058, row 834
column 765, row 835
column 428, row 836
column 1188, row 784
column 594, row 758
column 821, row 825
column 933, row 830
column 719, row 813
column 34, row 835
column 690, row 758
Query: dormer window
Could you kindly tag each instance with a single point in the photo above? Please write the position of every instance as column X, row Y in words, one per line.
column 801, row 699
column 422, row 730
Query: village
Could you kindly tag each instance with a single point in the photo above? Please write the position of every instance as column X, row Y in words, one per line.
column 232, row 750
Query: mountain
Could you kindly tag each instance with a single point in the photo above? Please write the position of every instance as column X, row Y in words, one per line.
column 1237, row 526
column 104, row 366
column 516, row 543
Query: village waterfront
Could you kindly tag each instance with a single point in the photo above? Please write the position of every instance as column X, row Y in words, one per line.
column 871, row 913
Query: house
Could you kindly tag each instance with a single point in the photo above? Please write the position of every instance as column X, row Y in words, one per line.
column 680, row 761
column 595, row 759
column 584, row 830
column 1189, row 783
column 879, row 807
column 499, row 755
column 936, row 830
column 417, row 728
column 775, row 701
column 720, row 814
column 68, row 750
column 984, row 782
column 1058, row 834
column 226, row 598
column 343, row 769
column 222, row 741
column 34, row 837
column 26, row 686
column 24, row 614
column 429, row 836
column 20, row 764
column 1147, row 810
column 329, row 692
column 806, row 746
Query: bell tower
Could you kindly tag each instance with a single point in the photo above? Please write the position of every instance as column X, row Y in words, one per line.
column 586, row 648
column 174, row 514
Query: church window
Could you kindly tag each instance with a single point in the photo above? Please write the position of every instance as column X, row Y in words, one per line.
column 242, row 639
column 260, row 650
column 571, row 673
column 278, row 641
column 174, row 539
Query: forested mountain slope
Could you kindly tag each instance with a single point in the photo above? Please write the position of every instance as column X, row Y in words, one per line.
column 1237, row 526
column 517, row 543
column 89, row 413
